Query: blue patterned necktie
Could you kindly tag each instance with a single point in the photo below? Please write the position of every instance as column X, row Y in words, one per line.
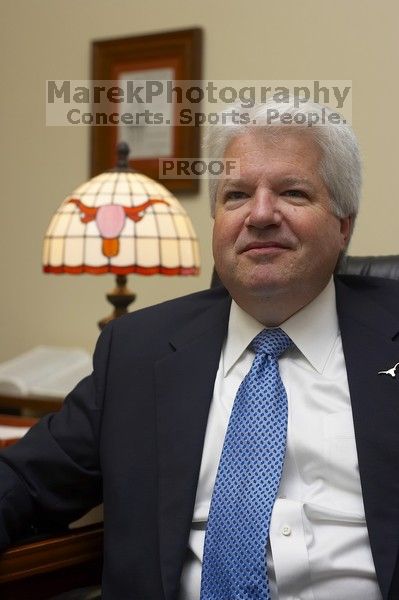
column 247, row 481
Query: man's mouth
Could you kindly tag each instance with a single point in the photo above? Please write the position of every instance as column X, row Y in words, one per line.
column 259, row 248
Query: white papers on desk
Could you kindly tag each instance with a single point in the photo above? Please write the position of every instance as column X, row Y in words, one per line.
column 8, row 432
column 50, row 371
column 95, row 515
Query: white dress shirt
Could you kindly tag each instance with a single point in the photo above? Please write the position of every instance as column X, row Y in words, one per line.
column 319, row 547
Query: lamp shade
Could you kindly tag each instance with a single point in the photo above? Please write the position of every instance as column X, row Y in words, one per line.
column 121, row 222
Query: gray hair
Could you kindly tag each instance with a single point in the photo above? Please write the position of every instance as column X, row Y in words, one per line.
column 340, row 166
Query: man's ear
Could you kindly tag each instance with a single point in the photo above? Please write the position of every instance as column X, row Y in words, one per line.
column 346, row 229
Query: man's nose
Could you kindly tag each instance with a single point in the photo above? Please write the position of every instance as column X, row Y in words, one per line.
column 264, row 210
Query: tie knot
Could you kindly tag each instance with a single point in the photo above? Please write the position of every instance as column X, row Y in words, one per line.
column 272, row 342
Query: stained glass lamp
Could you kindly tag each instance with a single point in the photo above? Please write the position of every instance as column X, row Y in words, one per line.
column 121, row 222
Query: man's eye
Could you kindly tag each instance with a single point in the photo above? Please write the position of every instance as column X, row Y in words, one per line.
column 295, row 193
column 235, row 195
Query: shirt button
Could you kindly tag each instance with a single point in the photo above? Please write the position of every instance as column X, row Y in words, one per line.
column 286, row 530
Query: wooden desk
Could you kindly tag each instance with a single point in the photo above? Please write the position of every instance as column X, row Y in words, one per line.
column 14, row 421
column 41, row 568
column 36, row 405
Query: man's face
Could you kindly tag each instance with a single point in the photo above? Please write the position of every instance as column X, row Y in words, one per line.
column 274, row 235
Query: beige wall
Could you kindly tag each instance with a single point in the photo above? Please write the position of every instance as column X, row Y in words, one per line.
column 50, row 39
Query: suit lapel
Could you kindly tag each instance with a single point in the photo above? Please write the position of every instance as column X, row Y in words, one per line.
column 184, row 381
column 369, row 343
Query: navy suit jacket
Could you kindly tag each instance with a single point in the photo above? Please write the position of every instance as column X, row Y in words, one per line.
column 132, row 435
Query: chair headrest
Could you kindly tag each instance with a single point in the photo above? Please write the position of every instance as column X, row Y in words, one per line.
column 374, row 266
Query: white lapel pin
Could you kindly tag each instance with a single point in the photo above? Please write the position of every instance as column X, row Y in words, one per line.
column 390, row 372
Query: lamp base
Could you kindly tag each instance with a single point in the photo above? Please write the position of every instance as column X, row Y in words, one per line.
column 120, row 298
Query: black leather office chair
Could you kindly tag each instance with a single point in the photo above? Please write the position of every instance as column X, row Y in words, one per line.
column 374, row 266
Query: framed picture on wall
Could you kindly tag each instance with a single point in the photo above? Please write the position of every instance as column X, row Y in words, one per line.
column 149, row 110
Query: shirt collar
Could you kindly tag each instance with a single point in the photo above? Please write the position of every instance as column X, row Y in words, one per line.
column 313, row 330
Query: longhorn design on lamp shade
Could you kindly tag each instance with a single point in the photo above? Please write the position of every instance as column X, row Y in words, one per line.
column 110, row 220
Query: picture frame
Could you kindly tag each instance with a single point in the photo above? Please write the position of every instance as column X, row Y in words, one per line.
column 175, row 55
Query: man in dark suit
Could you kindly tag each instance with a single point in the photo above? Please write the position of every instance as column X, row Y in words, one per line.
column 145, row 432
